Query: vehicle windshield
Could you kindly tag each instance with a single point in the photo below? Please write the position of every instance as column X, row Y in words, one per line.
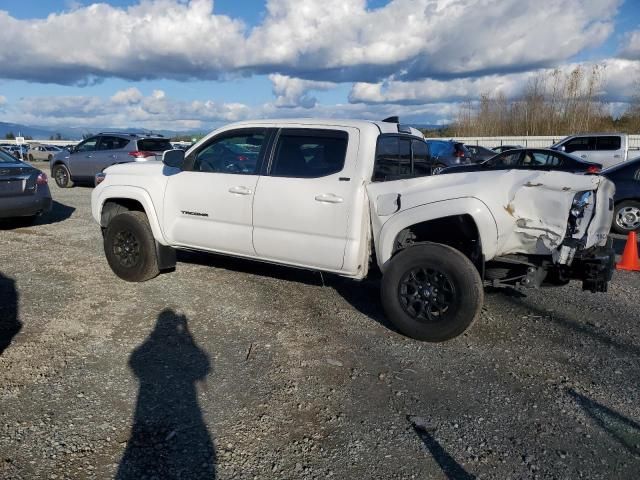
column 6, row 158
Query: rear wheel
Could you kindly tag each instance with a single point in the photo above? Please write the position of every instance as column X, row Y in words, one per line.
column 130, row 247
column 30, row 158
column 438, row 168
column 62, row 176
column 627, row 217
column 432, row 292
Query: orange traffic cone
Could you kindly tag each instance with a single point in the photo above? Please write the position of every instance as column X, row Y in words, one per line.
column 630, row 255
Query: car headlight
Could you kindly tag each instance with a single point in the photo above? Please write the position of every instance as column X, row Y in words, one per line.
column 581, row 202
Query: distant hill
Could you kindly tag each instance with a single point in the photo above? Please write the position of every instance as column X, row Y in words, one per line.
column 68, row 133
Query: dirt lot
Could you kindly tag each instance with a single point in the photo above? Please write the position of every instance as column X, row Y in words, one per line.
column 231, row 369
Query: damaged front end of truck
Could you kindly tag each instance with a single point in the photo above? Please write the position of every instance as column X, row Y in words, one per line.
column 560, row 233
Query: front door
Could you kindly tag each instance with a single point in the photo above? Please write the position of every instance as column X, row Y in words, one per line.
column 302, row 208
column 209, row 205
column 81, row 159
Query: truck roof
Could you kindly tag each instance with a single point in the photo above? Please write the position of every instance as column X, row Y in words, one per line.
column 383, row 127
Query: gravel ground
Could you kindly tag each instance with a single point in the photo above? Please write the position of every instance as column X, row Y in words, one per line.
column 231, row 369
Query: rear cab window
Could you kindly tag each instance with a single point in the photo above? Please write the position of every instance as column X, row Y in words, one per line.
column 400, row 157
column 609, row 143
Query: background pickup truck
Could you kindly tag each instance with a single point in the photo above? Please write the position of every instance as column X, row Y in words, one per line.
column 607, row 149
column 353, row 196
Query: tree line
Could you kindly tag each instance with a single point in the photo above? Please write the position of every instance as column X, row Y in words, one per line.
column 555, row 103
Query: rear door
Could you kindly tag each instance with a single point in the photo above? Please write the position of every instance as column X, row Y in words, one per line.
column 302, row 207
column 583, row 147
column 109, row 152
column 609, row 150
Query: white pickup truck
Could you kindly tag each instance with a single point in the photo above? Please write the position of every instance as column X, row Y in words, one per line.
column 352, row 196
column 607, row 149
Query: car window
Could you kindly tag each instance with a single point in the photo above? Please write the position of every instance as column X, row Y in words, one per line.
column 6, row 158
column 88, row 145
column 612, row 142
column 506, row 159
column 393, row 158
column 540, row 159
column 307, row 153
column 440, row 149
column 234, row 152
column 421, row 160
column 108, row 142
column 154, row 145
column 580, row 144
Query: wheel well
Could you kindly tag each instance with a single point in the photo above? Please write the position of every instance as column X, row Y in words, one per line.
column 115, row 206
column 457, row 231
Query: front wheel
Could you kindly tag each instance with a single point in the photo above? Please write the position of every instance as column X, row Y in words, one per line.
column 627, row 217
column 130, row 247
column 438, row 168
column 431, row 292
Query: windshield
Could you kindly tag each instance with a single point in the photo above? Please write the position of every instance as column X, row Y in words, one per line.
column 6, row 158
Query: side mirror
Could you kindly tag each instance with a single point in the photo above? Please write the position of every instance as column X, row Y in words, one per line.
column 173, row 158
column 562, row 148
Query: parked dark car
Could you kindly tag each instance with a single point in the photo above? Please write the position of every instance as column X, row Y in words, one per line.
column 504, row 148
column 531, row 159
column 446, row 153
column 479, row 153
column 93, row 155
column 626, row 176
column 24, row 190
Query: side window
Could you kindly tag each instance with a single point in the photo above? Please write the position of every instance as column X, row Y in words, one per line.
column 233, row 152
column 393, row 158
column 88, row 145
column 111, row 143
column 580, row 144
column 421, row 161
column 540, row 159
column 505, row 159
column 308, row 153
column 608, row 143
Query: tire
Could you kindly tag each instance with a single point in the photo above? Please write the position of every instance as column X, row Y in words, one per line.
column 130, row 247
column 62, row 176
column 30, row 158
column 442, row 270
column 49, row 158
column 626, row 217
column 438, row 168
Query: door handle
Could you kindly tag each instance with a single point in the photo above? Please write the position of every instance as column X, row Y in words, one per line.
column 329, row 198
column 87, row 156
column 616, row 156
column 240, row 190
column 113, row 156
column 583, row 156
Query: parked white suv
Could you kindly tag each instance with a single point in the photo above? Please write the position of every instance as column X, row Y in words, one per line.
column 338, row 195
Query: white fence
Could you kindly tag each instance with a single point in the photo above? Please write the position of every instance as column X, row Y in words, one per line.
column 533, row 142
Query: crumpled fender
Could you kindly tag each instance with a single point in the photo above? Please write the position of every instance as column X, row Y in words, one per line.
column 471, row 206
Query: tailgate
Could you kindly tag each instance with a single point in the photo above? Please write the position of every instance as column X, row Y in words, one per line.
column 17, row 181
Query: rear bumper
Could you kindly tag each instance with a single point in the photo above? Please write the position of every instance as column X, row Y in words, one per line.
column 25, row 205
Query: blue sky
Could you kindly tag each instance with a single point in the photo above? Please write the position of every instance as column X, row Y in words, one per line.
column 193, row 64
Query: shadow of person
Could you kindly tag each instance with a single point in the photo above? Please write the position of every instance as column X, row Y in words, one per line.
column 10, row 325
column 169, row 438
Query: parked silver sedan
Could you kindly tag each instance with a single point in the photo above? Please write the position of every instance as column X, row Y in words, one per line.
column 24, row 190
column 42, row 152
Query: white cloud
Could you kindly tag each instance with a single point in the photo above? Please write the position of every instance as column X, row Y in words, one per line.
column 619, row 80
column 127, row 97
column 328, row 40
column 294, row 92
column 631, row 46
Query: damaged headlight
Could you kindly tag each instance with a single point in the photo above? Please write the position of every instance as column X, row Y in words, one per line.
column 581, row 203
